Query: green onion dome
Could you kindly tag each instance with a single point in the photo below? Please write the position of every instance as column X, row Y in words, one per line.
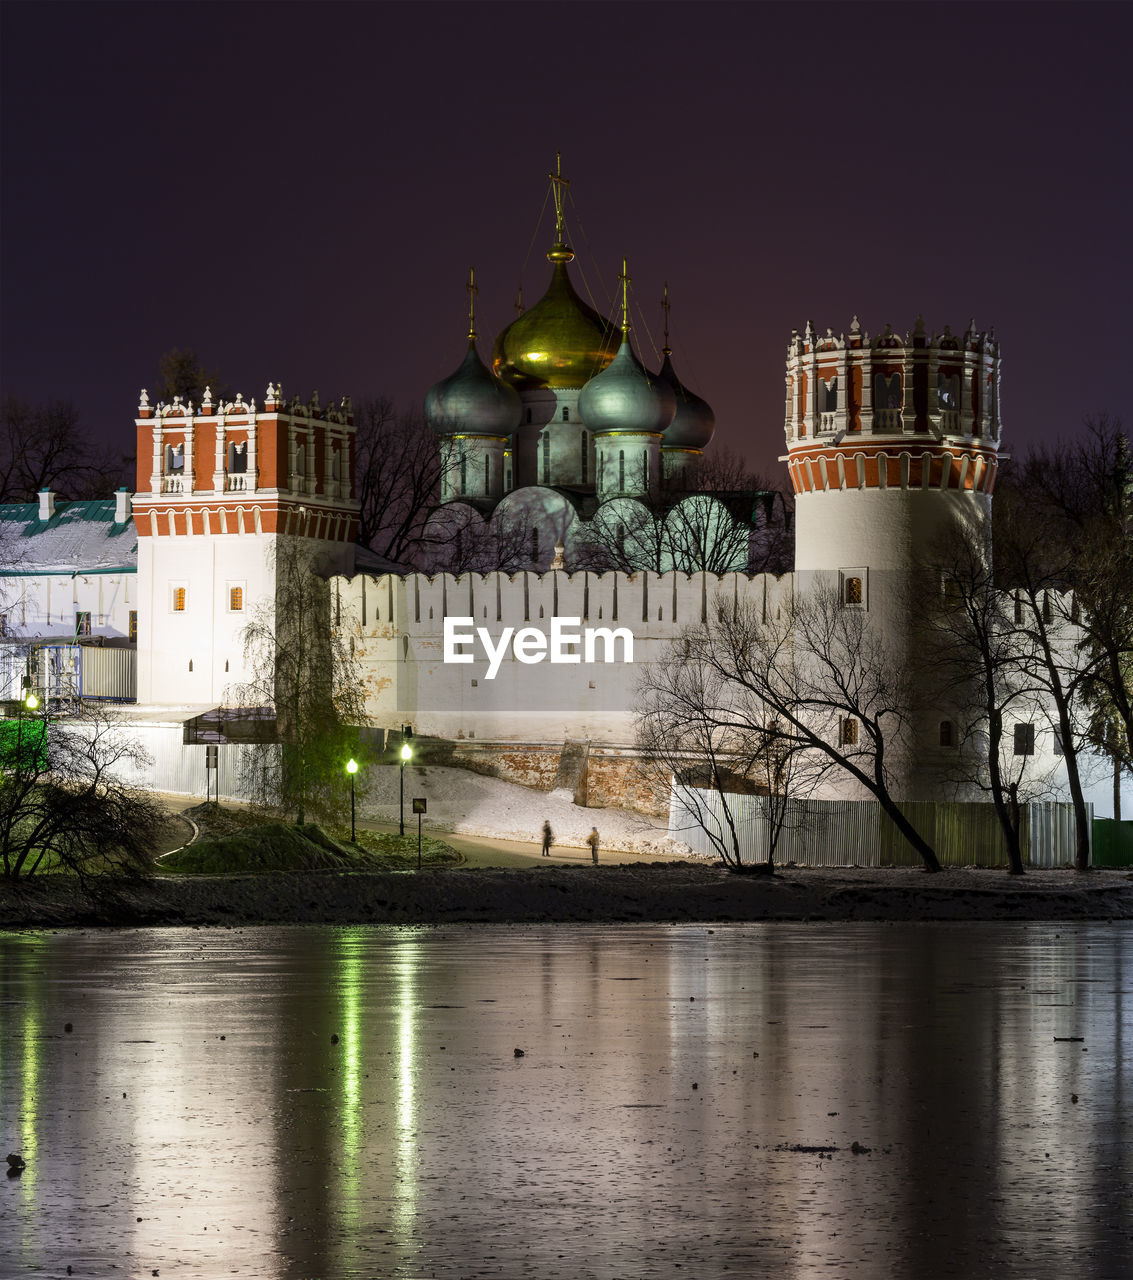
column 471, row 401
column 694, row 423
column 625, row 397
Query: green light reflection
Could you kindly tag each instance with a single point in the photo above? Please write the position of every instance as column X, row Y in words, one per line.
column 350, row 971
column 404, row 1205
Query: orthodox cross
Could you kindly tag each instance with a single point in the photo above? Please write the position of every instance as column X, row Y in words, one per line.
column 472, row 292
column 666, row 349
column 558, row 182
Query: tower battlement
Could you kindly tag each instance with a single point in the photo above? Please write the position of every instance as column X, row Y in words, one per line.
column 934, row 389
column 228, row 467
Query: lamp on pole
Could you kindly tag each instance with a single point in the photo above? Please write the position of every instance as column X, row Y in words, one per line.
column 406, row 756
column 352, row 769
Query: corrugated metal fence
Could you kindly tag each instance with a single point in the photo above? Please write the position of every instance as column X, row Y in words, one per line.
column 829, row 833
column 180, row 768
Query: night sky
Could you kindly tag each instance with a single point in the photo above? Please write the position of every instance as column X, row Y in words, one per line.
column 297, row 191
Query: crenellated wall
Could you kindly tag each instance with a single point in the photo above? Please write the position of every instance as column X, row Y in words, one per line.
column 398, row 629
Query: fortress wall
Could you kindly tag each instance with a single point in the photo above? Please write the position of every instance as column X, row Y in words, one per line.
column 398, row 628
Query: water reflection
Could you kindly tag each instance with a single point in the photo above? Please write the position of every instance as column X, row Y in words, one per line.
column 348, row 1102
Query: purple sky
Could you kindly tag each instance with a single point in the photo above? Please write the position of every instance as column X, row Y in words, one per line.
column 298, row 190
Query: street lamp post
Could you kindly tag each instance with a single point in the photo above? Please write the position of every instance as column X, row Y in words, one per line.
column 352, row 769
column 406, row 756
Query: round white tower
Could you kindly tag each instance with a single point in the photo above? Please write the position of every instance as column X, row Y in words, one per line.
column 892, row 446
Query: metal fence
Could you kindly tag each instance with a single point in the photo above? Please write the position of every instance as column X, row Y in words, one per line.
column 831, row 833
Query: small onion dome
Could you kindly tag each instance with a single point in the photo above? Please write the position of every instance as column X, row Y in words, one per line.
column 471, row 400
column 559, row 342
column 694, row 423
column 625, row 397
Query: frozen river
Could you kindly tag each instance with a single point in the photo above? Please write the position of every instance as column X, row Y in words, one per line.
column 349, row 1102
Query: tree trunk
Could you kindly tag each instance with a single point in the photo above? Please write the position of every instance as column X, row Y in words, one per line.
column 910, row 833
column 1116, row 789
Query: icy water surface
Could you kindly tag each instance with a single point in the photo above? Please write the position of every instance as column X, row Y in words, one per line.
column 686, row 1104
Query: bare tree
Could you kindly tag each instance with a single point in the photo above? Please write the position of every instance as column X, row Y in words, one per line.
column 1036, row 570
column 181, row 373
column 65, row 803
column 303, row 672
column 812, row 674
column 713, row 742
column 400, row 465
column 44, row 447
column 970, row 628
column 1084, row 491
column 714, row 515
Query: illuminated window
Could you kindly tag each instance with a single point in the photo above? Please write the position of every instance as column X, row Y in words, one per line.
column 946, row 733
column 134, row 625
column 1024, row 739
column 82, row 622
column 180, row 596
column 235, row 599
column 848, row 732
column 853, row 591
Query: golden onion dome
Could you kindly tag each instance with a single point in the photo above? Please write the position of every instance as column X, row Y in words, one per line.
column 559, row 342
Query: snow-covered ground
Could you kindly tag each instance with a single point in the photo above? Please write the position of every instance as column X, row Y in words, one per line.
column 471, row 804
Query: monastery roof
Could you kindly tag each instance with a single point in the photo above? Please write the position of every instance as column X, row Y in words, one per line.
column 81, row 537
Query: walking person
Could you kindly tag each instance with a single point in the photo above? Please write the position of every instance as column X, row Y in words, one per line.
column 592, row 841
column 548, row 837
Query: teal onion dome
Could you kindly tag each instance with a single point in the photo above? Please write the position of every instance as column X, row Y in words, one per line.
column 624, row 397
column 471, row 401
column 694, row 423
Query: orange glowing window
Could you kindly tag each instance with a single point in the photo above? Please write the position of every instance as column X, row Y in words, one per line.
column 853, row 590
column 134, row 625
column 236, row 599
column 180, row 594
column 848, row 732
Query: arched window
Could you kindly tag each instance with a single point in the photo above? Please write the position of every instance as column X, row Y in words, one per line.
column 645, row 470
column 621, row 471
column 585, row 456
column 887, row 391
column 534, row 546
column 487, row 474
column 463, row 474
column 947, row 736
column 545, row 439
column 237, row 457
column 853, row 591
column 174, row 459
column 566, row 413
column 848, row 732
